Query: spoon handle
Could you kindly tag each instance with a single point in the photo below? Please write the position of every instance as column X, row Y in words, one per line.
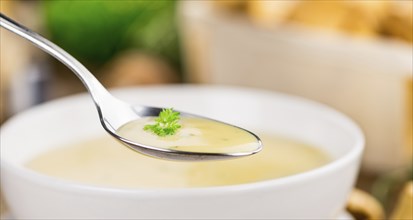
column 95, row 88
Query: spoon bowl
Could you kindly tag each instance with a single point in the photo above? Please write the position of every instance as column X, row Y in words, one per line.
column 163, row 153
column 114, row 113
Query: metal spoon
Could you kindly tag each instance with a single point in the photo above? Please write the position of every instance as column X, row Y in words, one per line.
column 114, row 113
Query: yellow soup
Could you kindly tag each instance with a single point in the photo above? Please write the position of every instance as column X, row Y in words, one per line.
column 195, row 135
column 105, row 162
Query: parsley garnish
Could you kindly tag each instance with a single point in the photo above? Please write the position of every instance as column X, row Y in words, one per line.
column 166, row 123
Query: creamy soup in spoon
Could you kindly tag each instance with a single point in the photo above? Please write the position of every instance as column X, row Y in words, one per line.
column 194, row 135
column 103, row 162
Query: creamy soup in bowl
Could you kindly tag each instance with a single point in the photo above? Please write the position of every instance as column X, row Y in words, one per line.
column 104, row 162
column 306, row 170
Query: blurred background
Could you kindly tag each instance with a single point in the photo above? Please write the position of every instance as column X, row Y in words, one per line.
column 355, row 56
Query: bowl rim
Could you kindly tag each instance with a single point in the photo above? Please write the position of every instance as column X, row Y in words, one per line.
column 353, row 156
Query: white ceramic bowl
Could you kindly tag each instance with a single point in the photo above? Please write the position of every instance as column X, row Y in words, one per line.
column 317, row 194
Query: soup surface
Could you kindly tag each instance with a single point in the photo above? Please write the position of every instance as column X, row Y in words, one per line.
column 195, row 135
column 105, row 162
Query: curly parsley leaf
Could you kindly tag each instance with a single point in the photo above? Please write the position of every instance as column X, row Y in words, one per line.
column 165, row 124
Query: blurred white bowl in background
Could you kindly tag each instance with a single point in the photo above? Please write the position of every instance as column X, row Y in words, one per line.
column 368, row 79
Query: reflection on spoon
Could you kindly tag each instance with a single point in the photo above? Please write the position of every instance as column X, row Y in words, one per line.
column 120, row 119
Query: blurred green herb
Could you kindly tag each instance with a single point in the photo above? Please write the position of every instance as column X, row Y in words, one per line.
column 166, row 123
column 95, row 30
